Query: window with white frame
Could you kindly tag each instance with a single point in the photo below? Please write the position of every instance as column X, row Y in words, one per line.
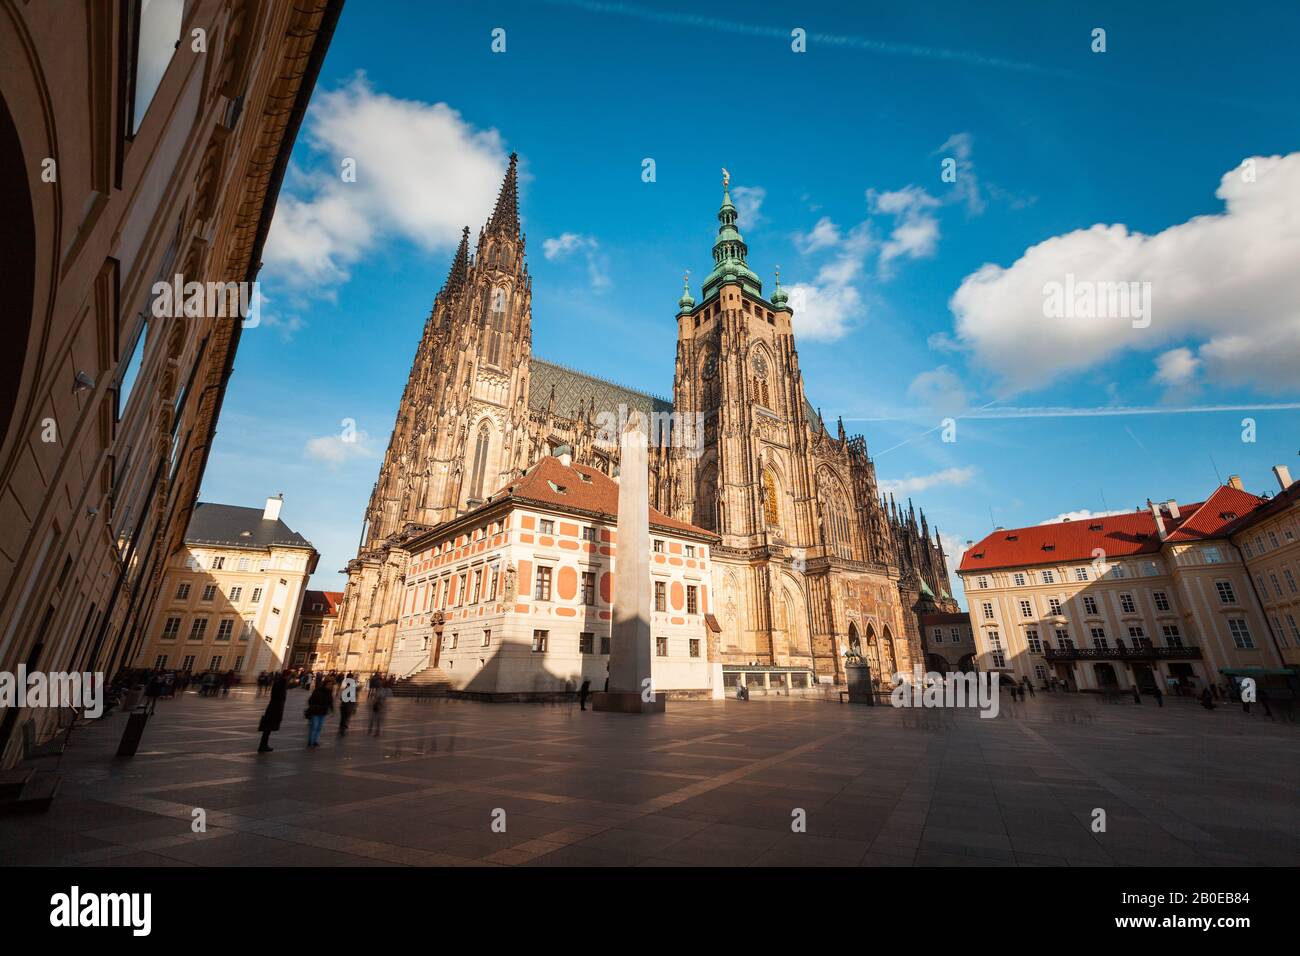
column 1089, row 604
column 198, row 628
column 1049, row 577
column 1161, row 600
column 1212, row 555
column 171, row 628
column 1240, row 632
column 1080, row 574
column 1098, row 635
column 1019, row 579
column 1026, row 609
column 1126, row 604
column 1063, row 639
column 1226, row 594
column 982, row 583
column 1031, row 638
column 225, row 629
column 1053, row 606
column 182, row 592
column 539, row 641
column 542, row 587
column 955, row 635
column 1173, row 637
column 987, row 608
column 938, row 635
column 1138, row 636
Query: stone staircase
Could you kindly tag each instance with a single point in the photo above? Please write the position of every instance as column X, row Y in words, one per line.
column 424, row 683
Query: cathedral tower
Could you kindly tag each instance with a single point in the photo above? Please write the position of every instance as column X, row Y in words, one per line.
column 462, row 425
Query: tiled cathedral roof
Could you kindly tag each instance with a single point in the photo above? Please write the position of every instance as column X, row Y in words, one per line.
column 573, row 388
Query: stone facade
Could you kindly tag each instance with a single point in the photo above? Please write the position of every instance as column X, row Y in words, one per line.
column 1160, row 594
column 516, row 597
column 137, row 142
column 313, row 643
column 808, row 563
column 231, row 597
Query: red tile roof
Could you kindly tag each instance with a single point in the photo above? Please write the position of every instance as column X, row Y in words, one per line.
column 330, row 599
column 578, row 488
column 1118, row 536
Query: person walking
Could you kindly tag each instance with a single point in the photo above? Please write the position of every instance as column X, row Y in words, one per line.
column 274, row 713
column 1159, row 695
column 377, row 708
column 319, row 705
column 582, row 693
column 347, row 703
column 1207, row 699
column 1137, row 695
column 152, row 691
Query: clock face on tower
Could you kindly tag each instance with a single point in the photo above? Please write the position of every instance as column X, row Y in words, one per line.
column 710, row 368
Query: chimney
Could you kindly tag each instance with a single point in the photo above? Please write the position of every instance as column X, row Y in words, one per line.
column 1234, row 481
column 1172, row 507
column 1159, row 518
column 273, row 506
column 1283, row 475
column 566, row 460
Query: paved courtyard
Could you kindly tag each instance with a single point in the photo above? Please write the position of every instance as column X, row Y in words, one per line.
column 705, row 784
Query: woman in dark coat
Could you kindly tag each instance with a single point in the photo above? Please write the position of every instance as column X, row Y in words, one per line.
column 274, row 712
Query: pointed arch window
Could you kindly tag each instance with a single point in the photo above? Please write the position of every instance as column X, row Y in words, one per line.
column 479, row 474
column 496, row 326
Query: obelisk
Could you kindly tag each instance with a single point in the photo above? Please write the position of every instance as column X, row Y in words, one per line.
column 631, row 686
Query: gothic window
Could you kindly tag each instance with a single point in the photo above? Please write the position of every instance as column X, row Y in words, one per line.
column 497, row 328
column 706, row 500
column 479, row 474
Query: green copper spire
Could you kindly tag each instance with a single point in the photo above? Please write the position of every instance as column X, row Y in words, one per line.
column 779, row 296
column 729, row 250
column 686, row 303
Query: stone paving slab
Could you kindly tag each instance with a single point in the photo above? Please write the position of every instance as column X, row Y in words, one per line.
column 458, row 783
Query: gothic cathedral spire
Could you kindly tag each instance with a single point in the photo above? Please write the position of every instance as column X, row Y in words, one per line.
column 505, row 217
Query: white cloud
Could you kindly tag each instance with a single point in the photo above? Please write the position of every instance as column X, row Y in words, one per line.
column 826, row 308
column 749, row 203
column 422, row 173
column 568, row 243
column 824, row 235
column 966, row 187
column 1176, row 367
column 913, row 484
column 916, row 230
column 1227, row 280
column 334, row 450
column 940, row 390
column 1080, row 515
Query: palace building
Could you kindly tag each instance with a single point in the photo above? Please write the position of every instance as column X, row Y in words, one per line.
column 1171, row 595
column 138, row 142
column 808, row 563
column 231, row 597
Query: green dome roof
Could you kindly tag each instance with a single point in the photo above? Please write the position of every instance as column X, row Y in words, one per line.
column 779, row 296
column 687, row 302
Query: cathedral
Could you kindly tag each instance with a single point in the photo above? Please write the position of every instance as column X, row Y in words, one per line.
column 811, row 563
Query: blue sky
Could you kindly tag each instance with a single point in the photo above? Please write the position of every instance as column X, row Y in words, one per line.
column 1171, row 159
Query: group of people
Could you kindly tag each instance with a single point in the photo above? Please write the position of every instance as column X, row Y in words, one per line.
column 341, row 690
